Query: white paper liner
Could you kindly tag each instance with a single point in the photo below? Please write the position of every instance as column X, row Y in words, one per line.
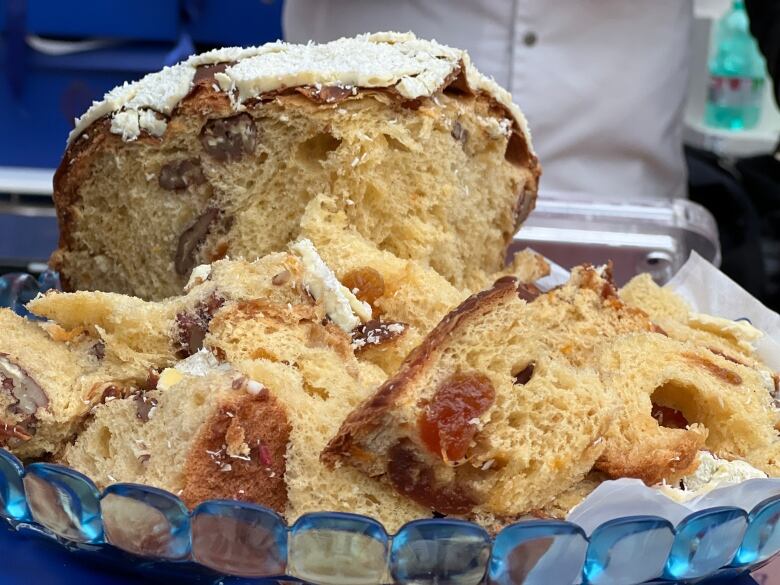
column 709, row 291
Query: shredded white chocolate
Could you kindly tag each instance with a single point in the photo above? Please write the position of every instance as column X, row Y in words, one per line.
column 413, row 67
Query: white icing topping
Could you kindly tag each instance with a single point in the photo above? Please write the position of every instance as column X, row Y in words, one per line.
column 414, row 67
column 712, row 473
column 126, row 124
column 343, row 307
column 161, row 91
column 151, row 122
column 200, row 364
column 199, row 275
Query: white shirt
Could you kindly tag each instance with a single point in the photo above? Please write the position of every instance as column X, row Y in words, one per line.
column 602, row 82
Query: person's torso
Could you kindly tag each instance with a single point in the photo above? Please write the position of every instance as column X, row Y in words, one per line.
column 602, row 82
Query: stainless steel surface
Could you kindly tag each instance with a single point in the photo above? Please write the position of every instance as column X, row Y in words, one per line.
column 28, row 225
column 647, row 236
column 26, row 181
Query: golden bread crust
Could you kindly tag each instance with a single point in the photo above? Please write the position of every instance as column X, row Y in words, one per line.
column 371, row 414
column 258, row 422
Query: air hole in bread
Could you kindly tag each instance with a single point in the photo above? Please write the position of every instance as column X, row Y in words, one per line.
column 523, row 375
column 198, row 399
column 316, row 149
column 395, row 144
column 674, row 406
column 315, row 391
column 104, row 443
column 517, row 151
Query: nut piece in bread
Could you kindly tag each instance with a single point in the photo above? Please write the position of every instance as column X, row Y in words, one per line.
column 49, row 379
column 479, row 420
column 222, row 155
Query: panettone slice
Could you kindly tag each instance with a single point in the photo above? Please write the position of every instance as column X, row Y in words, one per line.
column 399, row 290
column 732, row 340
column 481, row 419
column 679, row 398
column 206, row 432
column 181, row 435
column 48, row 383
column 310, row 367
column 157, row 333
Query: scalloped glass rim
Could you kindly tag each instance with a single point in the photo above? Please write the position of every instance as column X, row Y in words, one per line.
column 228, row 537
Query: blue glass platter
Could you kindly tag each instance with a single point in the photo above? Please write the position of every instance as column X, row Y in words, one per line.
column 151, row 532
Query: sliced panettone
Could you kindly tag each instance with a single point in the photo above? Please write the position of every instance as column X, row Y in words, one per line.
column 481, row 419
column 47, row 386
column 209, row 432
column 733, row 340
column 158, row 333
column 400, row 291
column 310, row 368
column 130, row 329
column 679, row 398
column 222, row 154
column 155, row 334
column 658, row 302
column 576, row 318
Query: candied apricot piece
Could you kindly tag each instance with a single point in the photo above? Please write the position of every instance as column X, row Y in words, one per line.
column 366, row 283
column 447, row 426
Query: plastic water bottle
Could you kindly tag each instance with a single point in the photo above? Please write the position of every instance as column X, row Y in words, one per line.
column 737, row 74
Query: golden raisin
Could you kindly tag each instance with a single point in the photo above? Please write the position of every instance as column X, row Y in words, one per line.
column 367, row 284
column 447, row 424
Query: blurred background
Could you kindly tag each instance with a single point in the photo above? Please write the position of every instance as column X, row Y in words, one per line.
column 57, row 57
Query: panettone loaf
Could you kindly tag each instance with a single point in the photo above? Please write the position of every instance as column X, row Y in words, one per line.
column 222, row 154
column 481, row 419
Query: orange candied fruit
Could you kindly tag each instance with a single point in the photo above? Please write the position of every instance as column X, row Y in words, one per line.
column 366, row 282
column 447, row 424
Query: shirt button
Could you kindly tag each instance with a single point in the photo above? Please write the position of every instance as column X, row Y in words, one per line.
column 529, row 39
